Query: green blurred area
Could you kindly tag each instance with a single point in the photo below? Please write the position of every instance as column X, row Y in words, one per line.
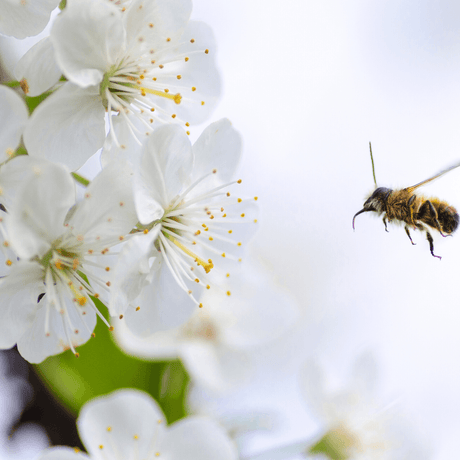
column 102, row 368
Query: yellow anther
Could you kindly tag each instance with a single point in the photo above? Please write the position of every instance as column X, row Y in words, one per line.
column 166, row 90
column 223, row 254
column 202, row 102
column 192, row 40
column 206, row 265
column 179, row 77
column 193, row 88
column 239, row 200
column 109, row 428
column 206, row 51
column 138, row 308
column 239, row 181
column 256, row 198
column 186, row 59
column 242, row 215
column 9, row 263
column 229, row 293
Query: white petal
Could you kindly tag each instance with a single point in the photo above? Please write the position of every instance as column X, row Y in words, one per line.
column 67, row 127
column 164, row 169
column 162, row 346
column 88, row 37
column 128, row 414
column 105, row 216
column 62, row 453
column 18, row 301
column 197, row 438
column 131, row 271
column 199, row 72
column 37, row 214
column 218, row 147
column 24, row 19
column 38, row 68
column 163, row 306
column 13, row 118
column 35, row 346
column 213, row 366
column 169, row 19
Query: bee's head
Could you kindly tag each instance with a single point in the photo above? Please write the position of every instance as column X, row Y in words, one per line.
column 376, row 202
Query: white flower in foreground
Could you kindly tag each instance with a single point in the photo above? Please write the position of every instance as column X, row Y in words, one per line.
column 195, row 227
column 129, row 424
column 216, row 343
column 27, row 440
column 45, row 301
column 22, row 19
column 13, row 118
column 354, row 425
column 145, row 62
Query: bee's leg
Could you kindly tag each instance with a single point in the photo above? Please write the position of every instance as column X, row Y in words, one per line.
column 385, row 223
column 430, row 240
column 408, row 234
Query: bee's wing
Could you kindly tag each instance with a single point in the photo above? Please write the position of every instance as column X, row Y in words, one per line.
column 411, row 189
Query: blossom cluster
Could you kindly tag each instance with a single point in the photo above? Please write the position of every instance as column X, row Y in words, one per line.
column 151, row 243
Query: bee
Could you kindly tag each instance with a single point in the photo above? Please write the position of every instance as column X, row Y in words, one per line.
column 414, row 211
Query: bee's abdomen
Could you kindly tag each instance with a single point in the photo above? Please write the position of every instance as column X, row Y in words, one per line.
column 447, row 217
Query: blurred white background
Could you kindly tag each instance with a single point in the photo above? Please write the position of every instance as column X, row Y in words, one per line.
column 309, row 84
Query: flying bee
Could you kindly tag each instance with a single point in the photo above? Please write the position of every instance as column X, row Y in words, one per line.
column 414, row 211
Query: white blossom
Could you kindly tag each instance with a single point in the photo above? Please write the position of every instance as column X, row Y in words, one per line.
column 129, row 424
column 145, row 61
column 46, row 302
column 216, row 344
column 182, row 194
column 354, row 425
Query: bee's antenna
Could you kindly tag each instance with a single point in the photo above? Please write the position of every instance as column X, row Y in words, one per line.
column 373, row 169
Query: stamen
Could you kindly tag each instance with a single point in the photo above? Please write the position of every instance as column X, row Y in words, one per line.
column 206, row 265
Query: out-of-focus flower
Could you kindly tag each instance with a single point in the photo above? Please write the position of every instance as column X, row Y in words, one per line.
column 22, row 19
column 145, row 62
column 354, row 425
column 13, row 118
column 28, row 440
column 46, row 298
column 215, row 344
column 129, row 424
column 182, row 195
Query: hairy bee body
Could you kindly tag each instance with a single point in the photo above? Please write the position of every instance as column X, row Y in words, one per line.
column 415, row 212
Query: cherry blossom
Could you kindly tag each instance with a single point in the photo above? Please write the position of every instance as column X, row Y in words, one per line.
column 145, row 61
column 130, row 424
column 63, row 258
column 182, row 194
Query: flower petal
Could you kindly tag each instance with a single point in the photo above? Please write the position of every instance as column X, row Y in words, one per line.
column 88, row 37
column 125, row 423
column 67, row 127
column 13, row 118
column 35, row 345
column 24, row 19
column 36, row 217
column 18, row 301
column 218, row 147
column 163, row 305
column 165, row 167
column 104, row 218
column 197, row 438
column 169, row 19
column 37, row 69
column 131, row 271
column 62, row 453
